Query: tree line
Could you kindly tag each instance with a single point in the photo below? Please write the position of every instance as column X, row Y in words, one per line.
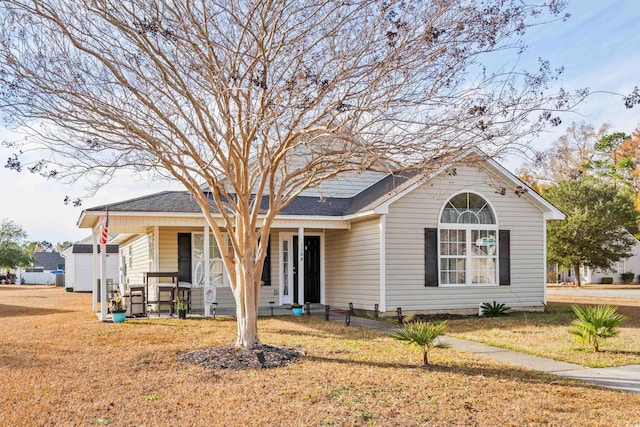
column 593, row 176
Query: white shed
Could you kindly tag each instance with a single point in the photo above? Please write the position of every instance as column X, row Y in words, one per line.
column 79, row 265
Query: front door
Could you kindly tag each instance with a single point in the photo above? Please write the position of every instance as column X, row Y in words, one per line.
column 311, row 269
column 184, row 257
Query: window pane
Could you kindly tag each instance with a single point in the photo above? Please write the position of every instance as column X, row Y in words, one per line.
column 460, row 201
column 216, row 273
column 444, row 248
column 468, row 217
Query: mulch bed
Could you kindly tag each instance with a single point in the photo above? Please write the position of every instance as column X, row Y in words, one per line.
column 437, row 317
column 234, row 359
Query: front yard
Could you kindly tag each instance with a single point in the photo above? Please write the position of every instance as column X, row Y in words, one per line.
column 545, row 334
column 60, row 366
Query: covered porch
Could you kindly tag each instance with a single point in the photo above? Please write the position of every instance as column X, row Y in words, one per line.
column 182, row 246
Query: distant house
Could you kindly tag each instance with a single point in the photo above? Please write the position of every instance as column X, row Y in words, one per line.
column 79, row 262
column 589, row 275
column 44, row 263
column 450, row 240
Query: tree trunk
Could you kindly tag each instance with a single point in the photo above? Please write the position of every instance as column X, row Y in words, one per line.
column 246, row 303
column 576, row 269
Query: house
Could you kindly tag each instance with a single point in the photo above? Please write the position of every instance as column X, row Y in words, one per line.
column 44, row 263
column 79, row 265
column 590, row 275
column 463, row 235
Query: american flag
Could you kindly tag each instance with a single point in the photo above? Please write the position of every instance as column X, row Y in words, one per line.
column 104, row 229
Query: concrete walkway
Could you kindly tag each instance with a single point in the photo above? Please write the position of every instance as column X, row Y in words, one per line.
column 626, row 378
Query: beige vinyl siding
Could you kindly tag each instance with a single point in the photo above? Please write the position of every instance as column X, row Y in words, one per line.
column 345, row 185
column 353, row 265
column 420, row 209
column 136, row 255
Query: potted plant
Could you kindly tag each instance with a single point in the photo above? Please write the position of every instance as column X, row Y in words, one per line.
column 180, row 308
column 118, row 310
column 296, row 309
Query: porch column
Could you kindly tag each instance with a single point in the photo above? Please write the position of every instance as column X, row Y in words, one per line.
column 208, row 290
column 94, row 294
column 103, row 282
column 207, row 257
column 300, row 283
column 383, row 264
column 156, row 248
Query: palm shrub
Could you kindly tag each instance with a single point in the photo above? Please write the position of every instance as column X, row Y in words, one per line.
column 421, row 335
column 595, row 323
column 494, row 309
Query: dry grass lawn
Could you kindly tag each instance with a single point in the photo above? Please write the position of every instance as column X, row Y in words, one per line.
column 545, row 334
column 60, row 366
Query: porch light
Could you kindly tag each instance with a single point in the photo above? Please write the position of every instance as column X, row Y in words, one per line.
column 375, row 311
column 271, row 303
column 326, row 312
column 307, row 308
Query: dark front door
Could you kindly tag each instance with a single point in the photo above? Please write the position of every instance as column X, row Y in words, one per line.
column 311, row 269
column 184, row 257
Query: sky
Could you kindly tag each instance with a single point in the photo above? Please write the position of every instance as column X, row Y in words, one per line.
column 599, row 46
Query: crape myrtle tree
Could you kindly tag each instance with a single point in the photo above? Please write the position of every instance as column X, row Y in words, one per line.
column 249, row 102
column 599, row 225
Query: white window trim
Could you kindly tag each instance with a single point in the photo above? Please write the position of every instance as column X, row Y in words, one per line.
column 468, row 228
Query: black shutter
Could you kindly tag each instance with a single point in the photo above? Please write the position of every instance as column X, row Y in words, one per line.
column 431, row 257
column 266, row 269
column 504, row 248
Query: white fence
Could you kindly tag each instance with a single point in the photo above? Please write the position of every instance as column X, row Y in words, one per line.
column 39, row 278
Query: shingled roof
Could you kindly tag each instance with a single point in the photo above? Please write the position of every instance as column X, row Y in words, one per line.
column 48, row 260
column 183, row 202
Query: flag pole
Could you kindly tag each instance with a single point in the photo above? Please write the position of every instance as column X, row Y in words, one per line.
column 104, row 236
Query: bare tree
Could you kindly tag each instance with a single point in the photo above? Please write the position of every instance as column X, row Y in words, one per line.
column 249, row 102
column 569, row 157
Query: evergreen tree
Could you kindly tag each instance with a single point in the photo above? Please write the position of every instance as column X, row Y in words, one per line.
column 599, row 225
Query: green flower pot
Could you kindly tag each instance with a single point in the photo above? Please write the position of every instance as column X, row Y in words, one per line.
column 297, row 311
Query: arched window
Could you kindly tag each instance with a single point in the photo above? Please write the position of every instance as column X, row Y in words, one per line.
column 467, row 208
column 468, row 241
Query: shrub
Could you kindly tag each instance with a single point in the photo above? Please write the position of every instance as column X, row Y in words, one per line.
column 595, row 323
column 627, row 277
column 606, row 280
column 421, row 335
column 494, row 309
